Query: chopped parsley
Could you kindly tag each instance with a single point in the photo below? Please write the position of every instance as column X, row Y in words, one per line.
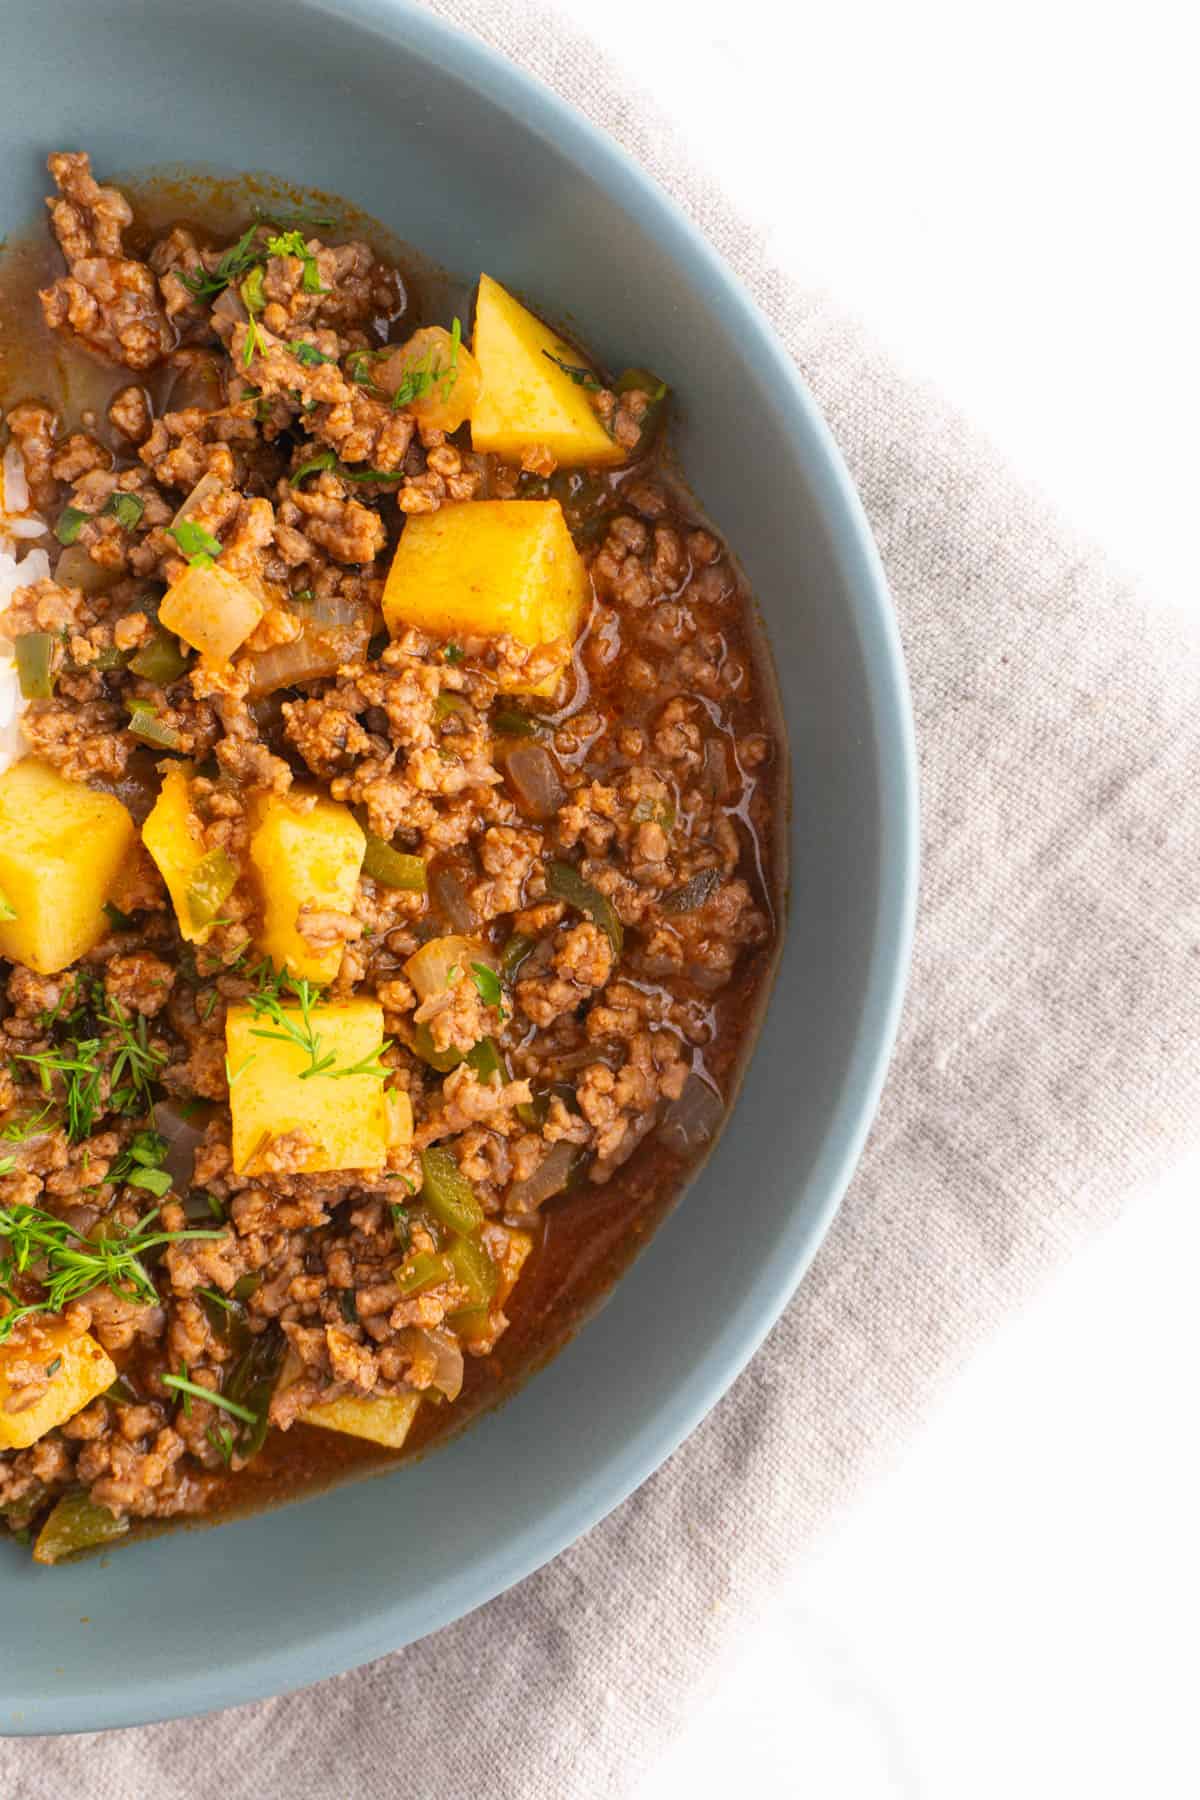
column 307, row 355
column 291, row 243
column 423, row 376
column 203, row 284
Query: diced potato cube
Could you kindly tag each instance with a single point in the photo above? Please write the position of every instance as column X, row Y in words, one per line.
column 81, row 1370
column 385, row 1419
column 346, row 1117
column 527, row 398
column 306, row 850
column 173, row 836
column 488, row 567
column 211, row 610
column 61, row 849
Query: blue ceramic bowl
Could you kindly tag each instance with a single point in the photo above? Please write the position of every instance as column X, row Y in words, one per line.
column 473, row 162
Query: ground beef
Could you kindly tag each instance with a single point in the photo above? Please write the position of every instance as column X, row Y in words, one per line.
column 107, row 300
column 543, row 1061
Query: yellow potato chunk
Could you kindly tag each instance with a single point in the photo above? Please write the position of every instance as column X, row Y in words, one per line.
column 489, row 567
column 306, row 851
column 61, row 849
column 527, row 398
column 385, row 1419
column 81, row 1371
column 172, row 835
column 211, row 610
column 346, row 1118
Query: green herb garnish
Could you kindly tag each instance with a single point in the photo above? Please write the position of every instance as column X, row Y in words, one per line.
column 301, row 215
column 324, row 460
column 371, row 474
column 581, row 376
column 294, row 1025
column 221, row 1439
column 307, row 355
column 75, row 1264
column 291, row 243
column 203, row 285
column 182, row 1385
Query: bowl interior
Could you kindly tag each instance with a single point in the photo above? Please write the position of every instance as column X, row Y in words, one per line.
column 479, row 168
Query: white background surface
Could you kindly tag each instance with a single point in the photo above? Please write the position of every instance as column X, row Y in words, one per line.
column 1007, row 194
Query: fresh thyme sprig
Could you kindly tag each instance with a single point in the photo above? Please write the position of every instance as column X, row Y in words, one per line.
column 43, row 1248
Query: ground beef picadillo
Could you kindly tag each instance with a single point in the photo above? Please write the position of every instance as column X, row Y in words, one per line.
column 615, row 1021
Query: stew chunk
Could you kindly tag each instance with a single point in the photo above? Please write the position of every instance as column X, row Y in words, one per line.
column 212, row 611
column 294, row 1097
column 72, row 1370
column 490, row 568
column 385, row 1419
column 307, row 852
column 61, row 847
column 535, row 391
column 173, row 836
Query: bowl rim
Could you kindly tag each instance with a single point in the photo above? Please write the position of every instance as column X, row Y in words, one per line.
column 327, row 1652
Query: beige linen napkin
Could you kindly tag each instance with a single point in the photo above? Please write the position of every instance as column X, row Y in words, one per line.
column 1049, row 1062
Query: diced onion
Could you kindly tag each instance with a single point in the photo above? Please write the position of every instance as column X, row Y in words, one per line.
column 14, row 495
column 448, row 1360
column 429, row 967
column 334, row 609
column 549, row 1178
column 319, row 651
column 693, row 1120
column 206, row 486
column 448, row 896
column 530, row 771
column 182, row 1137
column 76, row 569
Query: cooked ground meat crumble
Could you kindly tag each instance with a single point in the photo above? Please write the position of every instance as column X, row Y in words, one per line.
column 558, row 911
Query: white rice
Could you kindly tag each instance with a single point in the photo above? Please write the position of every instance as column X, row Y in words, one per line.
column 17, row 526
